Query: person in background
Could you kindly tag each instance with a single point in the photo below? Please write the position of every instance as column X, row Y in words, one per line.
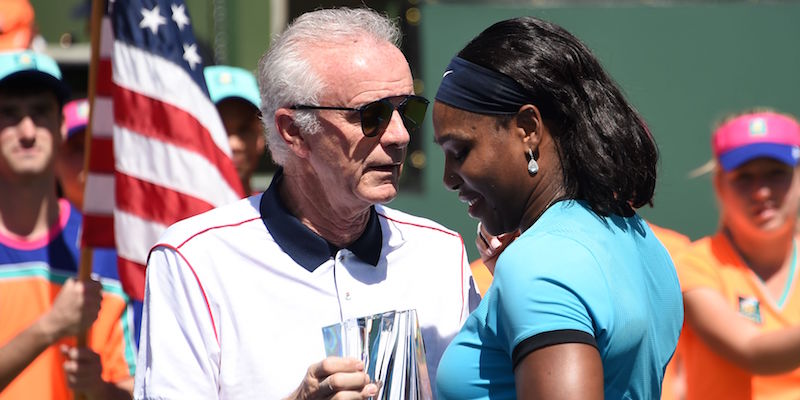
column 71, row 175
column 740, row 290
column 236, row 298
column 42, row 306
column 545, row 144
column 17, row 28
column 235, row 93
column 69, row 165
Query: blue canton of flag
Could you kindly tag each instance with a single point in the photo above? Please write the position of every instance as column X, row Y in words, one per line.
column 161, row 27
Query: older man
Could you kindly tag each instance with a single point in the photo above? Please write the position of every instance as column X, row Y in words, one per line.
column 236, row 298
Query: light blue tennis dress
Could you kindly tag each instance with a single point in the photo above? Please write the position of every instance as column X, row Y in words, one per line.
column 574, row 276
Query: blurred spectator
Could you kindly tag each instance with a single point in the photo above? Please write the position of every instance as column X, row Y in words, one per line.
column 742, row 339
column 70, row 161
column 16, row 24
column 42, row 306
column 235, row 93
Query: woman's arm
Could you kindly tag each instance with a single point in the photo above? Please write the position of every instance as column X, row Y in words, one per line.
column 562, row 371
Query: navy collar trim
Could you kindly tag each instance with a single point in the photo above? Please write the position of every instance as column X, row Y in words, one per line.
column 301, row 243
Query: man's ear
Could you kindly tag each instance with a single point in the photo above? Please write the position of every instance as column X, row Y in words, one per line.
column 529, row 125
column 284, row 120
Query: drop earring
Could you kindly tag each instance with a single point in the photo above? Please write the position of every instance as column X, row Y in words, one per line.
column 533, row 166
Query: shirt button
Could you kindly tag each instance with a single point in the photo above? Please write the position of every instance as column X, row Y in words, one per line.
column 347, row 296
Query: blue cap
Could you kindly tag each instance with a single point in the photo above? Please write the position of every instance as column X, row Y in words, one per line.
column 224, row 82
column 31, row 65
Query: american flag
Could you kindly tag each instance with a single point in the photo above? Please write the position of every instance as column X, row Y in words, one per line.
column 159, row 152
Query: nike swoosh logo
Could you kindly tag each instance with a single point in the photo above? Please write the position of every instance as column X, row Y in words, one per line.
column 448, row 72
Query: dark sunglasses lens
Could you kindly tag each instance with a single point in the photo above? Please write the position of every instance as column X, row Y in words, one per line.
column 375, row 117
column 413, row 112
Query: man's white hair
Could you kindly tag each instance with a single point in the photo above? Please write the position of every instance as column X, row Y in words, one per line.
column 285, row 76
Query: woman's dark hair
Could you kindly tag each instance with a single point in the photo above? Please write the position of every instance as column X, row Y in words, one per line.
column 607, row 153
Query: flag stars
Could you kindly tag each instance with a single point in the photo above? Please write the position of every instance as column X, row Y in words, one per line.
column 190, row 55
column 179, row 16
column 152, row 19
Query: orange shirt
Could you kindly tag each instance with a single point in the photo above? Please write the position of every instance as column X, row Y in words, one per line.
column 481, row 276
column 713, row 263
column 675, row 243
column 31, row 275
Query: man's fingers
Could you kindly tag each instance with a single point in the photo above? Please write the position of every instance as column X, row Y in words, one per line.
column 344, row 381
column 332, row 365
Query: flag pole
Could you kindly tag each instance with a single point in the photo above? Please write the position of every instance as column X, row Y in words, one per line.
column 85, row 266
column 85, row 269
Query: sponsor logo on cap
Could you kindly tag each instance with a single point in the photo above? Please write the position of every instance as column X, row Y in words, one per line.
column 758, row 127
column 83, row 110
column 25, row 59
column 225, row 78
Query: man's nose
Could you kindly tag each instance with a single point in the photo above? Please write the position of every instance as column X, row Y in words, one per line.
column 396, row 133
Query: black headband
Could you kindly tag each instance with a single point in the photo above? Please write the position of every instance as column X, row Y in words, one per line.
column 473, row 88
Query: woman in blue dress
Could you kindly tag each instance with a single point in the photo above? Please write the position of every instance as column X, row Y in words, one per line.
column 585, row 303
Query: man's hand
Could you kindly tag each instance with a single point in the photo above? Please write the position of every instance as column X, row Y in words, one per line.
column 74, row 309
column 335, row 378
column 83, row 370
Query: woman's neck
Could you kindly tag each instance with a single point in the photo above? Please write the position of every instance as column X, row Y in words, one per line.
column 765, row 255
column 546, row 192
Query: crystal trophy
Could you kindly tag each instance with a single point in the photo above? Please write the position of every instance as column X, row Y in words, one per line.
column 391, row 347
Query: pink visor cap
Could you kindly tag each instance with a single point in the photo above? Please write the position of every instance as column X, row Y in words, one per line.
column 76, row 115
column 751, row 136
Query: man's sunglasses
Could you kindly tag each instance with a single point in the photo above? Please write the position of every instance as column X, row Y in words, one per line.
column 375, row 116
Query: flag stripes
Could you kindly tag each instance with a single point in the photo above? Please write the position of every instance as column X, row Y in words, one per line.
column 159, row 150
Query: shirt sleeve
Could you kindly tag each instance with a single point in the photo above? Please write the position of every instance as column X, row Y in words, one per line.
column 179, row 349
column 697, row 269
column 549, row 289
column 111, row 336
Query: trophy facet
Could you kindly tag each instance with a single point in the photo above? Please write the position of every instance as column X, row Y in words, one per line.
column 390, row 345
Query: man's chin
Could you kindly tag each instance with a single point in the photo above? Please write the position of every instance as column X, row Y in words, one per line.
column 381, row 195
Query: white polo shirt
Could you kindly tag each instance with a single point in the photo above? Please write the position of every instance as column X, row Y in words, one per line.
column 236, row 298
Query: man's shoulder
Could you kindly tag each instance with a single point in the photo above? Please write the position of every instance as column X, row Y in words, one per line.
column 407, row 222
column 229, row 216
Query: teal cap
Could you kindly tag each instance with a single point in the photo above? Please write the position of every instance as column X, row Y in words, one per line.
column 31, row 65
column 224, row 82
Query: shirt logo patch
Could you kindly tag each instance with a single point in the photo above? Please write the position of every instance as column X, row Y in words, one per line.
column 749, row 308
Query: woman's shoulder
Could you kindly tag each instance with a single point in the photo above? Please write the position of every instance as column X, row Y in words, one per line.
column 549, row 255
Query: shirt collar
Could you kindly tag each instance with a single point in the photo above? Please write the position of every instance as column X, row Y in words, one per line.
column 302, row 244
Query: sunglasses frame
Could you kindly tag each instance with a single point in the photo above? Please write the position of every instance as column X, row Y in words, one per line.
column 379, row 128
